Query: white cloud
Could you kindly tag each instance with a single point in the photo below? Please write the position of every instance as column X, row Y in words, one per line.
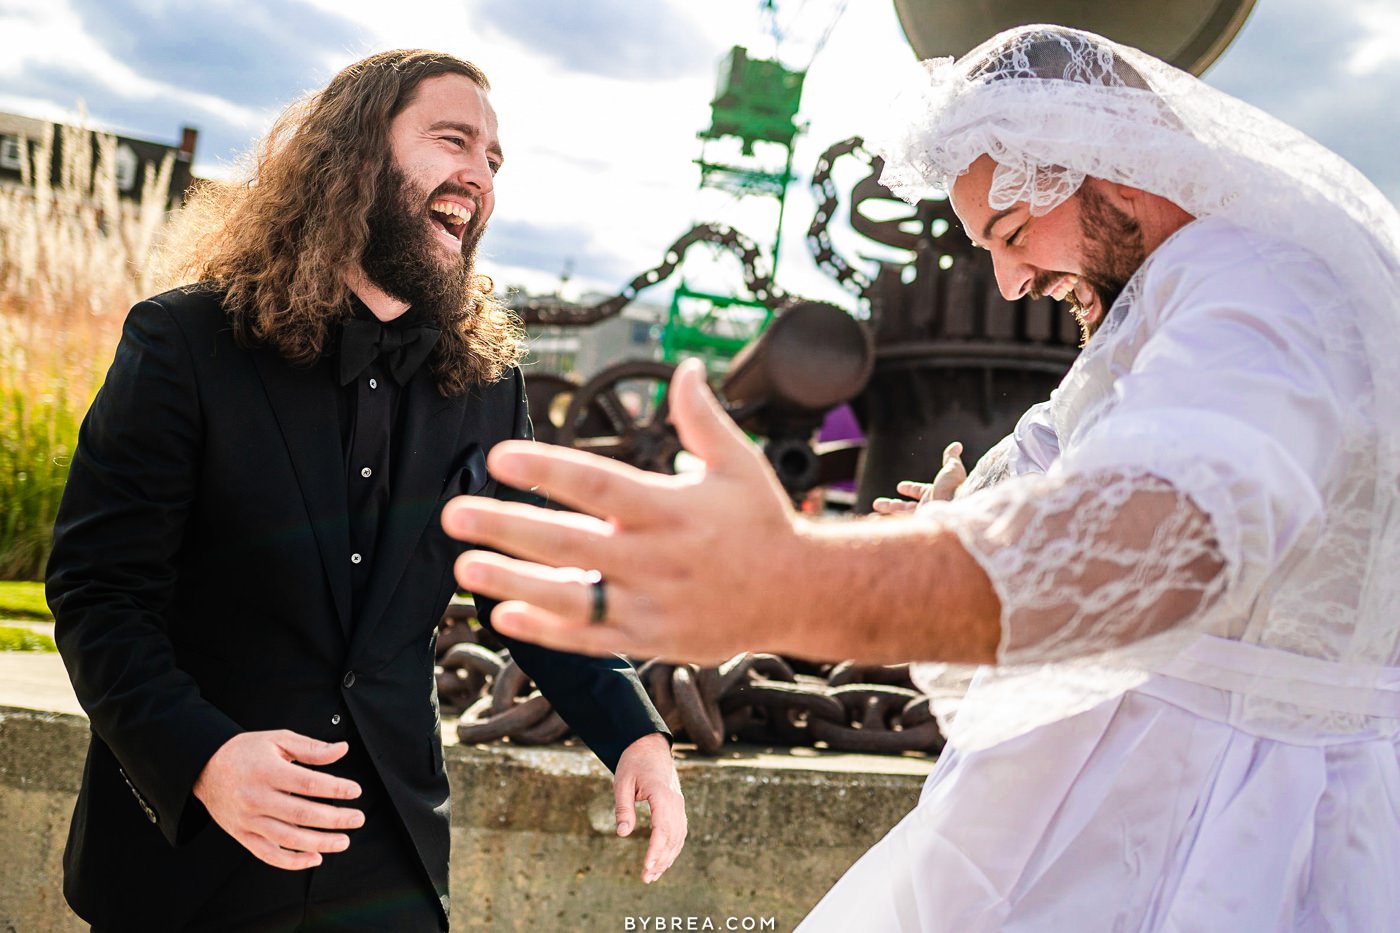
column 609, row 161
column 1381, row 46
column 57, row 37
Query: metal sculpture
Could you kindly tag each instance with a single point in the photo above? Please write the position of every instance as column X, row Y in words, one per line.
column 813, row 357
column 1189, row 34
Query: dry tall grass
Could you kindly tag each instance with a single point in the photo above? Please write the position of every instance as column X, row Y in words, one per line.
column 73, row 258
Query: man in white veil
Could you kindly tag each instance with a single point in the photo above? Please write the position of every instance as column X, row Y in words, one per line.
column 1186, row 603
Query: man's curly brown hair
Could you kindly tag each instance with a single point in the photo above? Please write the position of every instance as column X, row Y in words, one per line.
column 280, row 243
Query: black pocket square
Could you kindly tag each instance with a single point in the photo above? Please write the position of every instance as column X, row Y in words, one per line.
column 470, row 478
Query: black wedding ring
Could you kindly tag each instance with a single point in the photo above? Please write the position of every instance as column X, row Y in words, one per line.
column 598, row 590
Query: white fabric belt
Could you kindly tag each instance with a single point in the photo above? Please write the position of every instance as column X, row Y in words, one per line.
column 1285, row 677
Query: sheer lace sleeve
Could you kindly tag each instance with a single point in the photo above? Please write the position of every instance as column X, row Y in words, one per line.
column 1088, row 563
column 1159, row 519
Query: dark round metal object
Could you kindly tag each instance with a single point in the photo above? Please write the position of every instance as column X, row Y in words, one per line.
column 796, row 463
column 548, row 396
column 1189, row 34
column 600, row 421
column 812, row 357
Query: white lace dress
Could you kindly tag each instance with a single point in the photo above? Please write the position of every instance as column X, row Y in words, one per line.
column 1193, row 723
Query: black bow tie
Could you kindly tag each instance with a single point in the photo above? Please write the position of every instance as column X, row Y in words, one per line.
column 403, row 349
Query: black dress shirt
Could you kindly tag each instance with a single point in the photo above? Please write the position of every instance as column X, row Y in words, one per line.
column 369, row 406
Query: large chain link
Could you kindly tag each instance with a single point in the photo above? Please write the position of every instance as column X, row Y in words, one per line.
column 828, row 202
column 757, row 698
column 757, row 279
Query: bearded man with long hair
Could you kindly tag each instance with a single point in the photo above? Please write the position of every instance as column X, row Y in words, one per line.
column 247, row 570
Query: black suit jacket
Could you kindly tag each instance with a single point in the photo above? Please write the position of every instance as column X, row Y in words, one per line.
column 200, row 583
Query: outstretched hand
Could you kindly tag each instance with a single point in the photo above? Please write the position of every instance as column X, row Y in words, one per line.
column 677, row 554
column 254, row 788
column 647, row 772
column 944, row 485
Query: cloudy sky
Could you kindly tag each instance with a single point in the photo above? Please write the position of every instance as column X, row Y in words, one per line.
column 600, row 101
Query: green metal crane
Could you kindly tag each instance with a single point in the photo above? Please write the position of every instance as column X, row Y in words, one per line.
column 756, row 106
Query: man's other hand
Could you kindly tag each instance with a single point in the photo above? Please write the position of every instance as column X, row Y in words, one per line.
column 255, row 789
column 646, row 772
column 944, row 485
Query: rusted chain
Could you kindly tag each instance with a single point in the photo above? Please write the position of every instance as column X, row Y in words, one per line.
column 874, row 721
column 828, row 199
column 479, row 724
column 700, row 716
column 513, row 688
column 757, row 698
column 465, row 668
column 757, row 279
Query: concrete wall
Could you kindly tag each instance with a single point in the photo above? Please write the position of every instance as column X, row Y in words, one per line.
column 41, row 762
column 532, row 834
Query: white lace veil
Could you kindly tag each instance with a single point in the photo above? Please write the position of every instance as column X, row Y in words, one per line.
column 1054, row 105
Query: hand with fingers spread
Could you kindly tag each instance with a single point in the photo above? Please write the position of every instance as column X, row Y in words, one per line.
column 944, row 485
column 642, row 535
column 647, row 772
column 255, row 788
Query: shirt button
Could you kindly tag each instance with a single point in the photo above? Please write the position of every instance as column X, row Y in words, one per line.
column 355, row 558
column 374, row 383
column 366, row 472
column 335, row 720
column 349, row 680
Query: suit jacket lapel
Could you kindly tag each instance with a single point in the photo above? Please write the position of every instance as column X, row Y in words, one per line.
column 304, row 401
column 427, row 446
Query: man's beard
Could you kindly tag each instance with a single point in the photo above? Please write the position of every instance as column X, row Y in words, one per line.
column 402, row 257
column 1113, row 251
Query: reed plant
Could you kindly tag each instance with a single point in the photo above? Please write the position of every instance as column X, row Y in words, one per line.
column 73, row 258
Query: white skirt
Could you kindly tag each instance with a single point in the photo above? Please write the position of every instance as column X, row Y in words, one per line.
column 1148, row 812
